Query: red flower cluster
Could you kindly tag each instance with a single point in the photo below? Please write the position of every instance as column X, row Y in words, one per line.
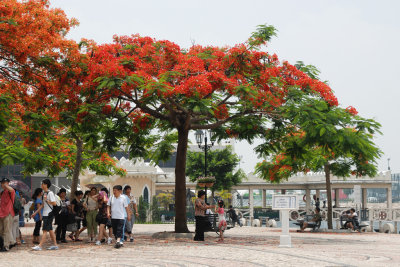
column 352, row 110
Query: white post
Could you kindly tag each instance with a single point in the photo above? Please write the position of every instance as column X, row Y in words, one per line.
column 251, row 206
column 285, row 239
column 308, row 201
column 389, row 198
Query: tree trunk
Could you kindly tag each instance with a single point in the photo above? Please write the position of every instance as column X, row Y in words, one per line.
column 328, row 194
column 180, row 181
column 77, row 168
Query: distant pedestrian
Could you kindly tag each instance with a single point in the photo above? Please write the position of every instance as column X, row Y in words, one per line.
column 116, row 206
column 77, row 209
column 108, row 225
column 101, row 217
column 6, row 213
column 37, row 214
column 233, row 216
column 199, row 213
column 90, row 204
column 134, row 212
column 49, row 201
column 62, row 217
column 221, row 219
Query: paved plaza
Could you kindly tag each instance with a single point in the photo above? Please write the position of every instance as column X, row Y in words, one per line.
column 245, row 246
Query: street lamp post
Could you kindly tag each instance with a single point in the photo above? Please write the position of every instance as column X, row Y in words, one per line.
column 199, row 139
column 388, row 164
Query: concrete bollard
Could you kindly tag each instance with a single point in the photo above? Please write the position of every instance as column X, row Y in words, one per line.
column 256, row 223
column 243, row 221
column 388, row 228
column 272, row 223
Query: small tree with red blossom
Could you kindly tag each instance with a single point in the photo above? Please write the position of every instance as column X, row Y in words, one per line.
column 313, row 135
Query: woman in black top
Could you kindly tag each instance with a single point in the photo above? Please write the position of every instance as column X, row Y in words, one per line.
column 101, row 217
column 62, row 218
column 77, row 210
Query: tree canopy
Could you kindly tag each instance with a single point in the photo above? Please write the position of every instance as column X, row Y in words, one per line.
column 222, row 164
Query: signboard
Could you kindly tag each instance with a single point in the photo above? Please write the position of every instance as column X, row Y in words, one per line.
column 285, row 202
column 357, row 194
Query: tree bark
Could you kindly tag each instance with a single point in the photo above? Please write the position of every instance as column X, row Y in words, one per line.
column 77, row 168
column 328, row 194
column 180, row 181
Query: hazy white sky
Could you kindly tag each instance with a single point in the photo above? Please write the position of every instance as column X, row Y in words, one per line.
column 355, row 44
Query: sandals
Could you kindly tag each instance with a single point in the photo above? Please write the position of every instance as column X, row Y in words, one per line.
column 72, row 237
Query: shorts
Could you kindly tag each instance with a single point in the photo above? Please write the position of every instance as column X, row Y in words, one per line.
column 48, row 223
column 103, row 221
column 118, row 227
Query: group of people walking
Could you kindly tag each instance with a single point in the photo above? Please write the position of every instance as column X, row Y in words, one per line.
column 102, row 214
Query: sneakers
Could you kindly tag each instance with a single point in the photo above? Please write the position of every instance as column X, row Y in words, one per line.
column 109, row 240
column 37, row 248
column 118, row 245
column 52, row 248
column 98, row 243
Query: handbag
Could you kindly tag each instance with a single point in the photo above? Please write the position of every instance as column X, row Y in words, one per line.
column 72, row 227
column 71, row 218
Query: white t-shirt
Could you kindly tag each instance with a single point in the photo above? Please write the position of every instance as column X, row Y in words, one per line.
column 47, row 208
column 127, row 204
column 118, row 207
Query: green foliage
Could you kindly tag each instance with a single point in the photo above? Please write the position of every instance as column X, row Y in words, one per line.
column 314, row 134
column 142, row 210
column 263, row 34
column 165, row 199
column 155, row 210
column 221, row 164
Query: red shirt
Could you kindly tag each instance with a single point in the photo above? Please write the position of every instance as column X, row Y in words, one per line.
column 7, row 203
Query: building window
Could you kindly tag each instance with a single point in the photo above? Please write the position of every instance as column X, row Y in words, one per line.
column 146, row 194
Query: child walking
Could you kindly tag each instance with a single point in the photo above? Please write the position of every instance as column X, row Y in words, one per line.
column 221, row 219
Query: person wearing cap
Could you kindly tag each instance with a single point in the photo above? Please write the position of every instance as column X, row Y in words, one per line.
column 6, row 213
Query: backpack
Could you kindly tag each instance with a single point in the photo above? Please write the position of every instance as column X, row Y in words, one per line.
column 17, row 205
column 55, row 210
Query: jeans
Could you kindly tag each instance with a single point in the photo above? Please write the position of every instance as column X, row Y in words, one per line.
column 91, row 222
column 6, row 224
column 129, row 224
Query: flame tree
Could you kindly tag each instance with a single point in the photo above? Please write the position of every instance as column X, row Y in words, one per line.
column 234, row 91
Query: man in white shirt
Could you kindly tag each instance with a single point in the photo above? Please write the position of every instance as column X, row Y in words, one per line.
column 133, row 209
column 49, row 201
column 117, row 205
